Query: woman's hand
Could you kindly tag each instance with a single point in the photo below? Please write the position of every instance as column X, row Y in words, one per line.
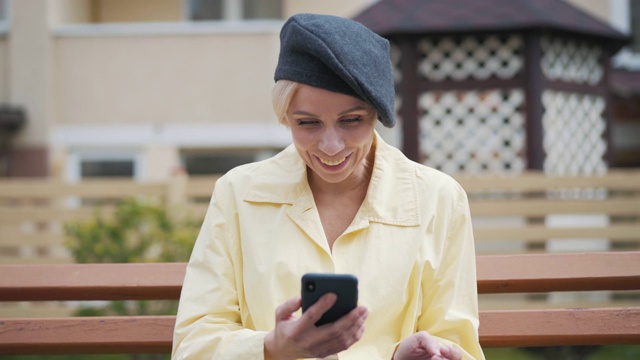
column 422, row 346
column 295, row 338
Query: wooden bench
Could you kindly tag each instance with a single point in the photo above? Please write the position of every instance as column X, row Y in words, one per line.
column 514, row 230
column 531, row 273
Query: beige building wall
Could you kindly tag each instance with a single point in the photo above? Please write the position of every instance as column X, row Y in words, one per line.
column 219, row 77
column 158, row 79
column 27, row 84
column 29, row 68
column 173, row 10
column 71, row 11
column 160, row 89
column 107, row 11
column 208, row 81
column 331, row 7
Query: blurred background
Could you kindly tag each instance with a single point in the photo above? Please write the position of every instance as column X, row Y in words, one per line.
column 117, row 116
column 140, row 88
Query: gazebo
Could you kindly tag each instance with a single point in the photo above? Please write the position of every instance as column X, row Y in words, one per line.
column 499, row 86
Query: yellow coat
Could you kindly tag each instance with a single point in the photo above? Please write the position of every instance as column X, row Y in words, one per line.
column 410, row 245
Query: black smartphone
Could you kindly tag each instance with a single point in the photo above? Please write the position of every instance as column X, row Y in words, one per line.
column 345, row 286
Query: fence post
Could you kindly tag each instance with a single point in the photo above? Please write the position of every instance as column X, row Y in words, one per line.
column 176, row 196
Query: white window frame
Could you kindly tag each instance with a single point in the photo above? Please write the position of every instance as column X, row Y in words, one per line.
column 232, row 10
column 6, row 21
column 77, row 156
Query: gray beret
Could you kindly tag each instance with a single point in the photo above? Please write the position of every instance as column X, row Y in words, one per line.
column 338, row 55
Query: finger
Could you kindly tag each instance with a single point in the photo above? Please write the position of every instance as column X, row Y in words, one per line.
column 344, row 332
column 337, row 342
column 361, row 327
column 348, row 328
column 346, row 325
column 430, row 344
column 451, row 353
column 315, row 311
column 285, row 311
column 456, row 354
column 324, row 349
column 353, row 320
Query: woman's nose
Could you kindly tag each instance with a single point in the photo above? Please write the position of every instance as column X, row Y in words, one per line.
column 331, row 142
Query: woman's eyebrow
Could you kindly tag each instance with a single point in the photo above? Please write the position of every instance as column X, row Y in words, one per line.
column 355, row 108
column 301, row 112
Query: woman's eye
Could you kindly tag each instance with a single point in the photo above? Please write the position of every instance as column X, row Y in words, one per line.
column 304, row 122
column 352, row 120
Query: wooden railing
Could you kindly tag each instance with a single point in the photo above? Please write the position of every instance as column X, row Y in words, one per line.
column 534, row 212
column 526, row 213
column 34, row 211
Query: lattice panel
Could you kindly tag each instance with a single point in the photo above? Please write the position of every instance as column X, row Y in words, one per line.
column 470, row 57
column 571, row 60
column 473, row 131
column 573, row 133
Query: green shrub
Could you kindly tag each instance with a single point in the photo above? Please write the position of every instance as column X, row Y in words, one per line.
column 136, row 232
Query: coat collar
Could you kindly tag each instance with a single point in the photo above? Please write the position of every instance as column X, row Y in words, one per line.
column 392, row 197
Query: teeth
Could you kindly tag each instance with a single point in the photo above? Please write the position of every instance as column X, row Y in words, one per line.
column 332, row 162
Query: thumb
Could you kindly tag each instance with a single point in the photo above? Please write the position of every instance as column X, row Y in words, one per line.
column 286, row 310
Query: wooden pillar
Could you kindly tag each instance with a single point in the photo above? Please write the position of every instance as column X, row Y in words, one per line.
column 533, row 81
column 608, row 113
column 408, row 91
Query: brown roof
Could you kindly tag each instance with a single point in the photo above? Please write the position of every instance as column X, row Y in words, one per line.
column 397, row 17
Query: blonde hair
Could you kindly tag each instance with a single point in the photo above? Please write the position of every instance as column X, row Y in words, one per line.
column 281, row 96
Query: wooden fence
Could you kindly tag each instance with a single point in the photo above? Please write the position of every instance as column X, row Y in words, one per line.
column 538, row 213
column 33, row 211
column 511, row 214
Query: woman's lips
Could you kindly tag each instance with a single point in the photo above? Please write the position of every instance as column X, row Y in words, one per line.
column 332, row 162
column 334, row 165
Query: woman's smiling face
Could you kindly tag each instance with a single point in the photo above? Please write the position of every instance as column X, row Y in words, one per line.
column 333, row 134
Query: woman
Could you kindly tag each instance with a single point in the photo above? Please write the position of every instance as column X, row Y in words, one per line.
column 338, row 200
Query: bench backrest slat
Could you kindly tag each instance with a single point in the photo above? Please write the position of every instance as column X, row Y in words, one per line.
column 558, row 272
column 527, row 273
column 555, row 327
column 159, row 281
column 153, row 334
column 86, row 335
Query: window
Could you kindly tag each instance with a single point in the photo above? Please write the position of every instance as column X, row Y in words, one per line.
column 3, row 10
column 262, row 9
column 103, row 164
column 106, row 168
column 214, row 162
column 200, row 10
column 97, row 164
column 4, row 16
column 634, row 20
